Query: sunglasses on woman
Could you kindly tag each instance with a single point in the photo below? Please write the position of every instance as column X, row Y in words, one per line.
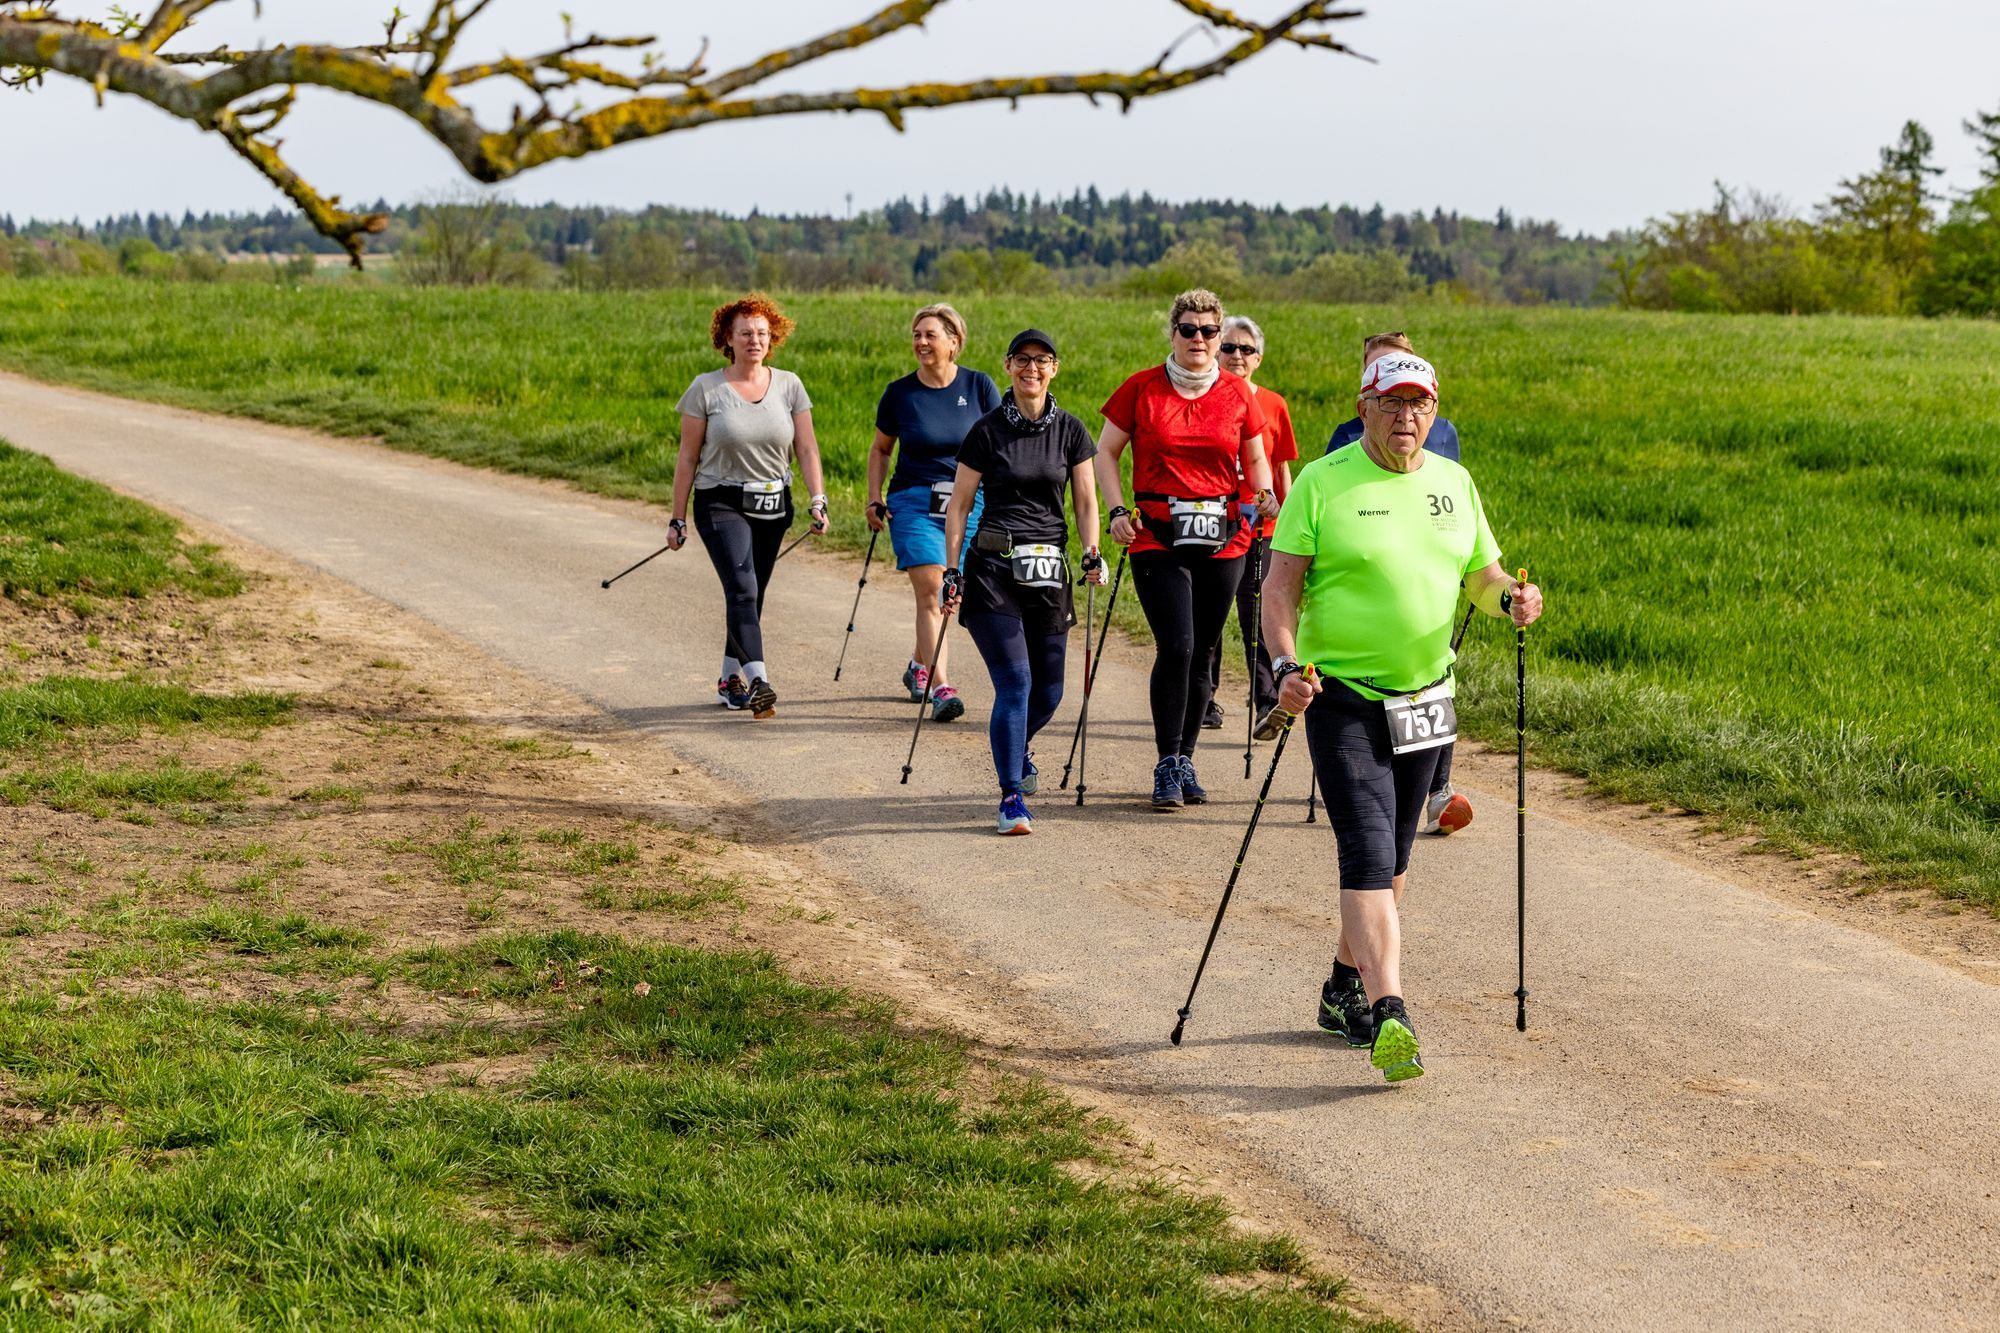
column 1239, row 349
column 1202, row 331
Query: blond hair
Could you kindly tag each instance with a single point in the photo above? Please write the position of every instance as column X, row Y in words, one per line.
column 954, row 323
column 1197, row 300
column 1398, row 340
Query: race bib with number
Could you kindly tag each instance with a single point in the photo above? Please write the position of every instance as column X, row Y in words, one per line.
column 1422, row 721
column 1198, row 522
column 764, row 499
column 1039, row 565
column 940, row 497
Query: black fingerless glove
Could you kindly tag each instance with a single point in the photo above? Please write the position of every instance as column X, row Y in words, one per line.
column 951, row 589
column 1092, row 562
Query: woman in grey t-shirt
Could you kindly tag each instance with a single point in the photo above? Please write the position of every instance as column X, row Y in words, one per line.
column 741, row 427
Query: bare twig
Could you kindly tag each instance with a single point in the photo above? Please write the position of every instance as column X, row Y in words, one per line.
column 243, row 95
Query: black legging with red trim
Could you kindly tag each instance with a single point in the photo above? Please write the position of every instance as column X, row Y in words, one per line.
column 1186, row 598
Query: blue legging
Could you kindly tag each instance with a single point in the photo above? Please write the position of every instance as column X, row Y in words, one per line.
column 1027, row 686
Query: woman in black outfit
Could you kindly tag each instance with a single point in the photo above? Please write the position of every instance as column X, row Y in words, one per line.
column 1014, row 586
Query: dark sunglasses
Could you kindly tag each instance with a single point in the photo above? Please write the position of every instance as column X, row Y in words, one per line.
column 1242, row 349
column 1202, row 331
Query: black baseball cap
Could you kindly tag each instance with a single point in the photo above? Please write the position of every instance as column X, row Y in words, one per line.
column 1026, row 336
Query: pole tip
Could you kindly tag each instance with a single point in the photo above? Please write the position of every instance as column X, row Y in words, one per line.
column 1179, row 1028
column 605, row 584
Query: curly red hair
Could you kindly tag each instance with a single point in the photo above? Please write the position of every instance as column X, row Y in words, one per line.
column 724, row 319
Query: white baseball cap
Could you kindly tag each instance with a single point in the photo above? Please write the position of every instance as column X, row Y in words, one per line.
column 1394, row 370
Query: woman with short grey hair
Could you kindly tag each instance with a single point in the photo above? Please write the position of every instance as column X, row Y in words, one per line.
column 1242, row 354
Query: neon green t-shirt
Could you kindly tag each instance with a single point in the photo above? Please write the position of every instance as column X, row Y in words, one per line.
column 1388, row 550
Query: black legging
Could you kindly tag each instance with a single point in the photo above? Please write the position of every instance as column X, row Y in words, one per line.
column 1027, row 685
column 1248, row 607
column 743, row 550
column 1186, row 599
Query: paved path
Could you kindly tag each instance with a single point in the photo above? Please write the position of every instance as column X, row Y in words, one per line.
column 1728, row 1113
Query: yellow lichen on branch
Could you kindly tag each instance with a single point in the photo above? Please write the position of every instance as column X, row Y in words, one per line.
column 216, row 90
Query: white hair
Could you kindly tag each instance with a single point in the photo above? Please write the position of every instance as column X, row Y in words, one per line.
column 1247, row 325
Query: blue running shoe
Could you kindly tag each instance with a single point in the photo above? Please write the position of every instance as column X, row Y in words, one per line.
column 1167, row 783
column 1031, row 777
column 1014, row 816
column 946, row 706
column 732, row 693
column 917, row 680
column 1191, row 791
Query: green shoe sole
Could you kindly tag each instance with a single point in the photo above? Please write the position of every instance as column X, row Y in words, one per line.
column 1395, row 1052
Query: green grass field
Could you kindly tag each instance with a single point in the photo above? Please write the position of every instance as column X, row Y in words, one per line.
column 214, row 1115
column 1770, row 545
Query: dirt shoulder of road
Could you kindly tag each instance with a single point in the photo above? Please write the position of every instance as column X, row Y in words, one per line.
column 427, row 795
column 1829, row 885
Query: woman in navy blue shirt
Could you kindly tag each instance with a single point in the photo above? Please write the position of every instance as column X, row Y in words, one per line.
column 927, row 413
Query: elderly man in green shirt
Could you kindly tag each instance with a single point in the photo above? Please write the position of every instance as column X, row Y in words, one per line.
column 1371, row 550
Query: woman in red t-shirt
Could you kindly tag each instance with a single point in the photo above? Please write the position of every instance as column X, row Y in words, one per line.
column 1191, row 426
column 1242, row 354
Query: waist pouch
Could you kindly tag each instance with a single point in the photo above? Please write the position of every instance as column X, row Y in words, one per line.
column 1204, row 523
column 990, row 540
column 755, row 499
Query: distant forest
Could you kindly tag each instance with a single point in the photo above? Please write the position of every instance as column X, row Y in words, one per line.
column 1002, row 241
column 1885, row 242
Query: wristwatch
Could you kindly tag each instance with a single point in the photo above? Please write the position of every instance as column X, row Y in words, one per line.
column 1284, row 666
column 1116, row 512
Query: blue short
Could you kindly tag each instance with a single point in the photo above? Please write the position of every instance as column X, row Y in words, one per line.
column 917, row 536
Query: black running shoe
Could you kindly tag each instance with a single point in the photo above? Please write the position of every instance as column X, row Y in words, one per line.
column 1346, row 1013
column 763, row 699
column 1191, row 791
column 1212, row 719
column 1167, row 783
column 1394, row 1049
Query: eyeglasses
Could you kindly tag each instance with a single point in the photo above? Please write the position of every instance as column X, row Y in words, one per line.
column 1042, row 362
column 1202, row 331
column 1241, row 349
column 1395, row 407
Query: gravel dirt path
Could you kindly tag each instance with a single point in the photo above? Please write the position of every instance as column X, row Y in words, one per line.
column 1733, row 1107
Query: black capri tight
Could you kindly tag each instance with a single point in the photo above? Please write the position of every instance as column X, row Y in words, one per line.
column 743, row 551
column 1186, row 599
column 1374, row 799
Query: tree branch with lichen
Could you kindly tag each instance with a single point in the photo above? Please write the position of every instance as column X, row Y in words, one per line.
column 241, row 95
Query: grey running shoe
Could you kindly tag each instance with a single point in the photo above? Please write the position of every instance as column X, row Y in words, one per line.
column 1446, row 812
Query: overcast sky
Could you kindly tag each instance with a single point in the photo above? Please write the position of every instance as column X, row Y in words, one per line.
column 1595, row 113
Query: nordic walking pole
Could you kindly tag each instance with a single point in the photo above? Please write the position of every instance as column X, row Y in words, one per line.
column 923, row 705
column 1083, row 714
column 623, row 572
column 1090, row 676
column 1256, row 813
column 1521, row 814
column 856, row 608
column 1312, row 795
column 794, row 545
column 1256, row 629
